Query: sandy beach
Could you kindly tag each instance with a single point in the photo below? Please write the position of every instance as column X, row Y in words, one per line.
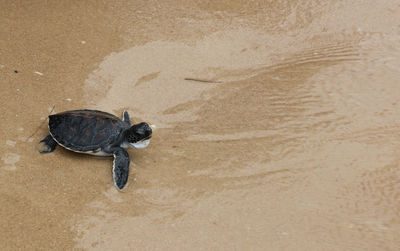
column 276, row 124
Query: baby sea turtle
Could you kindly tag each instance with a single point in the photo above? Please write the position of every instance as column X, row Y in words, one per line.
column 97, row 133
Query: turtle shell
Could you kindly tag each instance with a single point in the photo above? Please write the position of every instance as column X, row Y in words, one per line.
column 86, row 130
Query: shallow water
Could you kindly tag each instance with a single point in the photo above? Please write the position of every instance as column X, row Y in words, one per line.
column 276, row 124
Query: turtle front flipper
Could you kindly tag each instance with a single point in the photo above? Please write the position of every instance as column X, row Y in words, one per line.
column 120, row 167
column 46, row 145
column 126, row 118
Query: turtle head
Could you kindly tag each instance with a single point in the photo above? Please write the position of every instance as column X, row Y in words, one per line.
column 139, row 135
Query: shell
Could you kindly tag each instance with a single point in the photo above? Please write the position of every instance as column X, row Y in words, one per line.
column 86, row 130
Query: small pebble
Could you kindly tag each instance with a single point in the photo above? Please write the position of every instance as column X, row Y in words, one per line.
column 68, row 99
column 38, row 73
column 15, row 71
column 83, row 42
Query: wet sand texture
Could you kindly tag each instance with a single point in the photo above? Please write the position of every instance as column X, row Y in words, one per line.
column 276, row 124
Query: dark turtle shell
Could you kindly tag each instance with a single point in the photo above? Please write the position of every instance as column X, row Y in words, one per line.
column 86, row 130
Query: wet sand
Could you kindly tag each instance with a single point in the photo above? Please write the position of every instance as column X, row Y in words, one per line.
column 289, row 141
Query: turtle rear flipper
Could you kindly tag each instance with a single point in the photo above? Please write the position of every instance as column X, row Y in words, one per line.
column 46, row 145
column 120, row 167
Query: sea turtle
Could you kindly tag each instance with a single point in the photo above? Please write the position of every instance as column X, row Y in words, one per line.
column 97, row 133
